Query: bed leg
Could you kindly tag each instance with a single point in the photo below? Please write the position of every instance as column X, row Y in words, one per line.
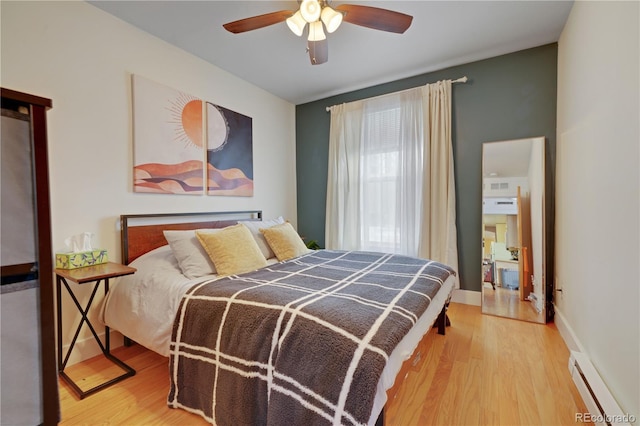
column 127, row 342
column 443, row 320
column 380, row 421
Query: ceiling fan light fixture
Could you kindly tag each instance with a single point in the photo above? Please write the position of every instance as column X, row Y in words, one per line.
column 310, row 10
column 296, row 23
column 316, row 33
column 331, row 19
column 321, row 17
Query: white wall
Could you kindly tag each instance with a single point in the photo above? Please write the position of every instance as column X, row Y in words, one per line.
column 597, row 191
column 82, row 58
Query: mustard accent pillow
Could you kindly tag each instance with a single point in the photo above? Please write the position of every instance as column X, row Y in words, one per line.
column 254, row 226
column 284, row 241
column 232, row 250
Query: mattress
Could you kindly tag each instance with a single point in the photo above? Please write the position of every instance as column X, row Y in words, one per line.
column 143, row 306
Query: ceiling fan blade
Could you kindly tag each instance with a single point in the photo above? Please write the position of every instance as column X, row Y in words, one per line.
column 260, row 21
column 318, row 51
column 376, row 18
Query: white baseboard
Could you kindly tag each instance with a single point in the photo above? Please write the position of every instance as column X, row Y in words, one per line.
column 566, row 332
column 467, row 297
column 88, row 347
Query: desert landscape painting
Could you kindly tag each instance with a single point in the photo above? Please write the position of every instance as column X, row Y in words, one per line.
column 184, row 145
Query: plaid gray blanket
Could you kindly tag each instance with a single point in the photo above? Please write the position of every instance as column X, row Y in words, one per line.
column 302, row 342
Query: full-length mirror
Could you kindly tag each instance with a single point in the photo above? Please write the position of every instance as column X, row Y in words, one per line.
column 513, row 233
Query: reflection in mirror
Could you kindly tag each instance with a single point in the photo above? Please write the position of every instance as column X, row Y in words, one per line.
column 513, row 243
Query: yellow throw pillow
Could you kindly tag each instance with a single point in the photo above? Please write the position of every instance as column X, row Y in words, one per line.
column 232, row 250
column 284, row 241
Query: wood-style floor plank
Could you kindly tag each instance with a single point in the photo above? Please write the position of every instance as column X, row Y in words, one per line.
column 515, row 373
column 486, row 371
column 505, row 302
column 138, row 400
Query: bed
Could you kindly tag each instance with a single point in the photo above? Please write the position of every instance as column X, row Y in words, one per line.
column 318, row 338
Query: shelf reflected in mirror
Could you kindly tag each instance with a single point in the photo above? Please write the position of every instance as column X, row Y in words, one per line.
column 513, row 242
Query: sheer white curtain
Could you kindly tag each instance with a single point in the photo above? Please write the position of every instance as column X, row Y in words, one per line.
column 390, row 183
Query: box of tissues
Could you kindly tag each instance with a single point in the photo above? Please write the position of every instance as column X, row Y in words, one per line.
column 83, row 258
column 79, row 253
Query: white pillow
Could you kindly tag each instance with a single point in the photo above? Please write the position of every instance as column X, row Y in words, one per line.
column 255, row 226
column 193, row 260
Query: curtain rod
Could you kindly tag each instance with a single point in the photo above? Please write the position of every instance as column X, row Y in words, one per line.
column 458, row 80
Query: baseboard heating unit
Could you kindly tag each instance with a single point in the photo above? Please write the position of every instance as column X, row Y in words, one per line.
column 603, row 408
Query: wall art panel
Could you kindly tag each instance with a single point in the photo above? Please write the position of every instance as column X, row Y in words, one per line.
column 182, row 143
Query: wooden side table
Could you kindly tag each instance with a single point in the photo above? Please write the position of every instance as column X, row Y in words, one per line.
column 97, row 274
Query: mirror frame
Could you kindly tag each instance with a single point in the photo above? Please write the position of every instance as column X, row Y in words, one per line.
column 499, row 302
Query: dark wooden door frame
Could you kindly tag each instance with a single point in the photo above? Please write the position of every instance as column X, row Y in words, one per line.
column 38, row 107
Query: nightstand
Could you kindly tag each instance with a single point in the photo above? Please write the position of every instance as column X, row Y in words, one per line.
column 85, row 275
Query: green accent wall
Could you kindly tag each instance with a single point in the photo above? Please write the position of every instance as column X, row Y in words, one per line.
column 511, row 96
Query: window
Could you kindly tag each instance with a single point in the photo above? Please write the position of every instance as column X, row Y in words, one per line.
column 390, row 180
column 383, row 184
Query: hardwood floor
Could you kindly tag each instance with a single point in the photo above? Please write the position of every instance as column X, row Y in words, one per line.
column 504, row 302
column 486, row 370
column 138, row 400
column 491, row 371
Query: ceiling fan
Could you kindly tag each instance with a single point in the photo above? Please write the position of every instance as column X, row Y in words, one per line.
column 318, row 12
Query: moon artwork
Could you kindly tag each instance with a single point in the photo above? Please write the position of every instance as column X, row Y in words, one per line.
column 185, row 145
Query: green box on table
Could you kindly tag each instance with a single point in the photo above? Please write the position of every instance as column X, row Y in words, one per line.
column 81, row 259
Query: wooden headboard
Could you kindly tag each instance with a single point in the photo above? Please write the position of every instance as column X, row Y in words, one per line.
column 142, row 233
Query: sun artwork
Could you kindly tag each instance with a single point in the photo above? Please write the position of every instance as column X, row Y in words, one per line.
column 192, row 121
column 187, row 115
column 183, row 167
column 184, row 174
column 186, row 112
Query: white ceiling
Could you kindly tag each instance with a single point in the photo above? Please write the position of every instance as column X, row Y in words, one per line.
column 442, row 34
column 505, row 159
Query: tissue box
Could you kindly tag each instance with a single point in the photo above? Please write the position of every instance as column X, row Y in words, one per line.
column 78, row 260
